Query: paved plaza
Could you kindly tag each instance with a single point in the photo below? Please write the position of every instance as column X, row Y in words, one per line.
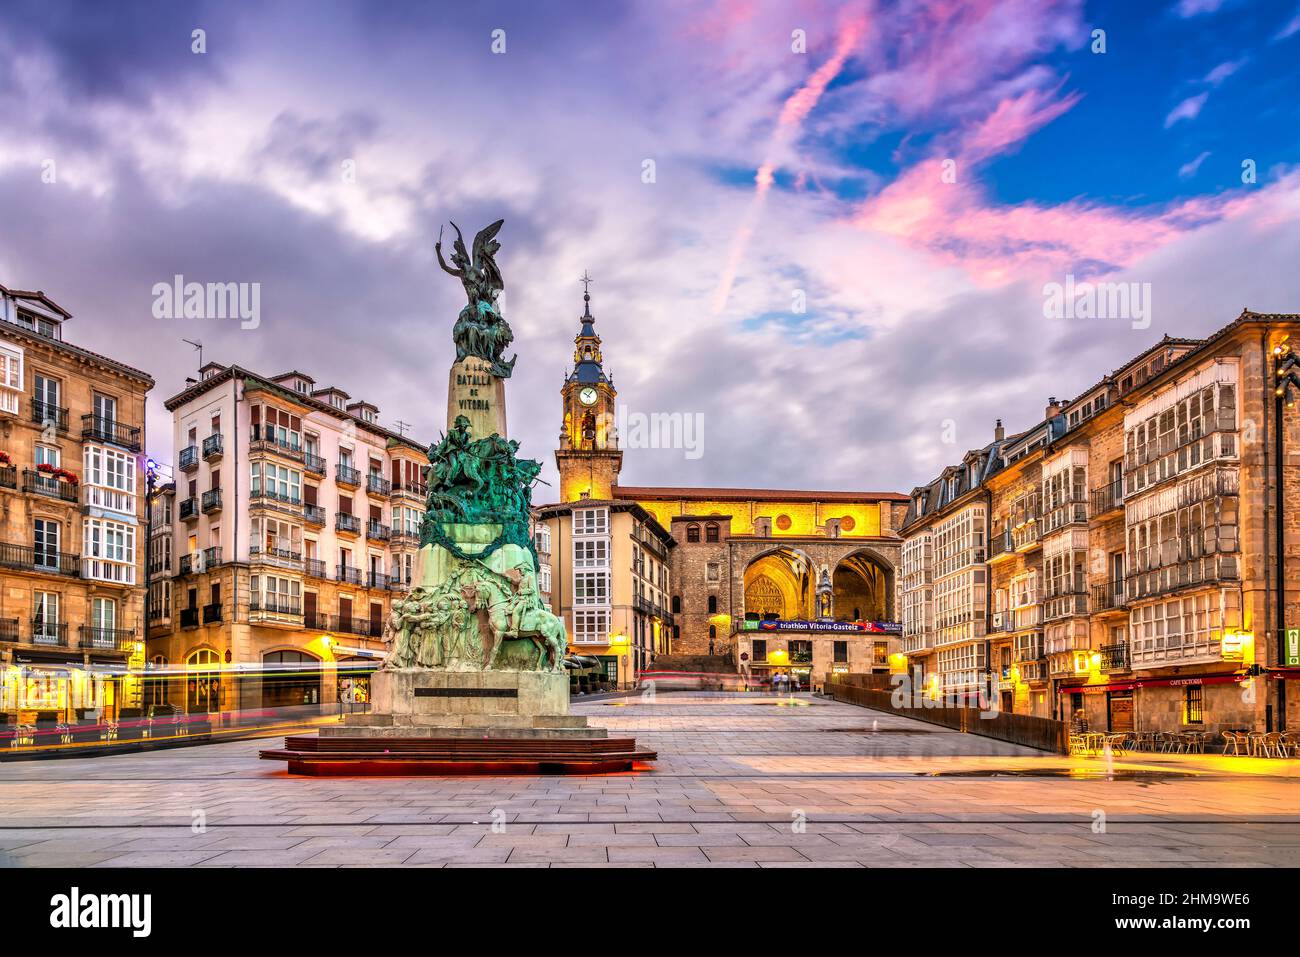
column 741, row 781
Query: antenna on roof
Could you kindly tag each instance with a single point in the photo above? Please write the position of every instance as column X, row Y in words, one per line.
column 196, row 345
column 401, row 427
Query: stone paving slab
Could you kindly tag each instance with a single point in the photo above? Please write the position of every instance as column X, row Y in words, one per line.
column 742, row 781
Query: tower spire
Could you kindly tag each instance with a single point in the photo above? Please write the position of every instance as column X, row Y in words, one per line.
column 586, row 297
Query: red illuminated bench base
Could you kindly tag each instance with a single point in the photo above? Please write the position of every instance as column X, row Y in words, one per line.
column 464, row 755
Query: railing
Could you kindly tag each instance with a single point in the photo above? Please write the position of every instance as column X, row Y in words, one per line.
column 313, row 463
column 348, row 573
column 42, row 484
column 211, row 613
column 343, row 625
column 1205, row 570
column 275, row 555
column 276, row 604
column 411, row 489
column 1070, row 512
column 377, row 580
column 1114, row 657
column 8, row 476
column 346, row 475
column 378, row 531
column 314, row 514
column 49, row 633
column 8, row 629
column 107, row 639
column 314, row 568
column 212, row 556
column 378, row 485
column 403, row 535
column 199, row 561
column 1107, row 498
column 47, row 414
column 188, row 508
column 98, row 428
column 1067, row 605
column 211, row 500
column 188, row 460
column 1001, row 544
column 343, row 522
column 189, row 618
column 213, row 446
column 1045, row 734
column 29, row 559
column 265, row 496
column 1108, row 596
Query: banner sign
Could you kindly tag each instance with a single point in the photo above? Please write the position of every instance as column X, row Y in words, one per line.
column 850, row 627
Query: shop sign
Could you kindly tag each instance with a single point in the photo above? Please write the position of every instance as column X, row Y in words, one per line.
column 827, row 625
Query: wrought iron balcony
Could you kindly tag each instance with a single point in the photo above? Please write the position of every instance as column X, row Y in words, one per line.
column 313, row 514
column 188, row 460
column 275, row 604
column 8, row 476
column 107, row 639
column 1108, row 498
column 346, row 475
column 343, row 522
column 263, row 497
column 348, row 573
column 1109, row 596
column 46, row 415
column 314, row 568
column 1114, row 657
column 39, row 483
column 378, row 531
column 274, row 555
column 211, row 500
column 377, row 580
column 211, row 613
column 378, row 485
column 8, row 629
column 213, row 447
column 26, row 558
column 49, row 633
column 343, row 625
column 188, row 508
column 313, row 463
column 189, row 618
column 98, row 428
column 265, row 440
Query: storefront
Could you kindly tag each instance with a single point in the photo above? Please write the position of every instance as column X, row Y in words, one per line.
column 291, row 679
column 354, row 672
column 47, row 689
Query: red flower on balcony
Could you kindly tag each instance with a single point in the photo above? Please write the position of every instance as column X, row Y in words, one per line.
column 47, row 468
column 4, row 459
column 67, row 476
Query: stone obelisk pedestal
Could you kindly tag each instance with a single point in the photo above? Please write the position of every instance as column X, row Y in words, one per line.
column 474, row 392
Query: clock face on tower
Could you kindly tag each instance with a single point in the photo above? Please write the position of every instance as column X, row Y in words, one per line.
column 587, row 396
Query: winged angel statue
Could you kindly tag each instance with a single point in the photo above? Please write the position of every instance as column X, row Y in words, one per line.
column 480, row 329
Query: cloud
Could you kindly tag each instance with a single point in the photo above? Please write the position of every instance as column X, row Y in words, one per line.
column 1188, row 109
column 1188, row 169
column 1195, row 8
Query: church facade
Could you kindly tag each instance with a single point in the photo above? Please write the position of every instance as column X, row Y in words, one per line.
column 773, row 581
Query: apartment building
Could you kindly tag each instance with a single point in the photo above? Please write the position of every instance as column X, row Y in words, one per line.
column 1143, row 547
column 605, row 566
column 72, row 494
column 294, row 521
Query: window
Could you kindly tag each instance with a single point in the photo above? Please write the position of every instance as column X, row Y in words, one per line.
column 590, row 554
column 544, row 579
column 590, row 521
column 692, row 533
column 711, row 532
column 276, row 481
column 542, row 539
column 11, row 377
column 45, row 617
column 108, row 551
column 591, row 588
column 110, row 479
column 103, row 614
column 1192, row 713
column 105, row 410
column 45, row 540
column 46, row 455
column 841, row 652
column 45, row 398
column 713, row 604
column 591, row 627
column 759, row 646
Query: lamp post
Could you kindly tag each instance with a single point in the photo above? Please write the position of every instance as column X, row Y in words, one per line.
column 1286, row 383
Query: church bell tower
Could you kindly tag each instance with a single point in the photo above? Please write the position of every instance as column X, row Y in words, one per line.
column 588, row 458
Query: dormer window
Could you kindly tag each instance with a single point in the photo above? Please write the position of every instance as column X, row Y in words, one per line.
column 300, row 386
column 336, row 400
column 41, row 325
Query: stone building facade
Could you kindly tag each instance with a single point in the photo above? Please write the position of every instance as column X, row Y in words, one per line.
column 293, row 523
column 72, row 494
column 1132, row 554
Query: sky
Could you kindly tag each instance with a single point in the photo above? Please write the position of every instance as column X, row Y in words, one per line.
column 823, row 231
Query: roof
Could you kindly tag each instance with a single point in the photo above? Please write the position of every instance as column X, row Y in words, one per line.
column 36, row 295
column 614, row 505
column 233, row 372
column 669, row 494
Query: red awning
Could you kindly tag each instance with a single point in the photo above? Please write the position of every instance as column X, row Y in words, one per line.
column 1164, row 682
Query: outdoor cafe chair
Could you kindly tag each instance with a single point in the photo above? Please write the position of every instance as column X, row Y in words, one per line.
column 1273, row 745
column 1233, row 740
